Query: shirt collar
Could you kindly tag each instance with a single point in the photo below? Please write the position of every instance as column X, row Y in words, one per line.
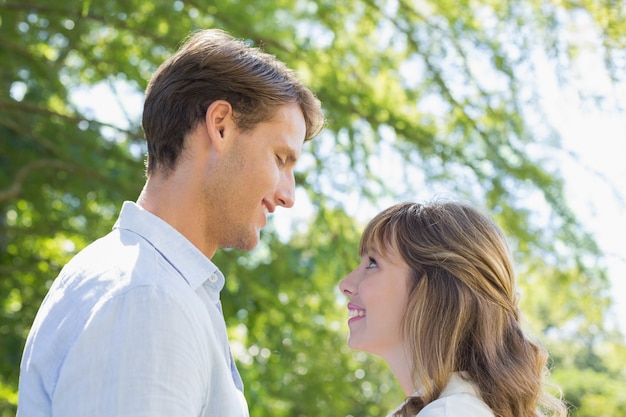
column 195, row 268
column 459, row 384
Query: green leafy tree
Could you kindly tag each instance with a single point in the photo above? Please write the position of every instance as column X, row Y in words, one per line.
column 421, row 98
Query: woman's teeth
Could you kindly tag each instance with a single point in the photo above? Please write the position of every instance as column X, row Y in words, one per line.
column 356, row 313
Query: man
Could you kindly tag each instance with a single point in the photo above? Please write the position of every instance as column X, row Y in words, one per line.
column 133, row 325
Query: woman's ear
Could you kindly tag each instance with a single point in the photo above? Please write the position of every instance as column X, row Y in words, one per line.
column 219, row 122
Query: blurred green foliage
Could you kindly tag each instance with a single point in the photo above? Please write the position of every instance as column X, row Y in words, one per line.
column 421, row 98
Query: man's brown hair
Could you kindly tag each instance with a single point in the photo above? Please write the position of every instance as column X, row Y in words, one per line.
column 211, row 65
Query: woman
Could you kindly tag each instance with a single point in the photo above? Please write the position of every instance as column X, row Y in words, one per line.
column 434, row 296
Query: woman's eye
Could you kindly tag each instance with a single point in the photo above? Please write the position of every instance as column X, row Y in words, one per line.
column 371, row 263
column 280, row 160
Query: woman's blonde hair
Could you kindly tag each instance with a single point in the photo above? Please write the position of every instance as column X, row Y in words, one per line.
column 462, row 313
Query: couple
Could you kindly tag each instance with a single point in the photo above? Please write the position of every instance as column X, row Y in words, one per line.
column 133, row 324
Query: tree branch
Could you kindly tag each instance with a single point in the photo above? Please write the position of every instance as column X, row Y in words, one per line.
column 14, row 190
column 30, row 108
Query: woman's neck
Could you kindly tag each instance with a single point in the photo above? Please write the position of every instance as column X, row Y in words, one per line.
column 401, row 367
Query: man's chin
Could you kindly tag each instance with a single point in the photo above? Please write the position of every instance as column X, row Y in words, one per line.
column 248, row 244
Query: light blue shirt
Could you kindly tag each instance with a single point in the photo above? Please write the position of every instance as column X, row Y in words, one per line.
column 132, row 327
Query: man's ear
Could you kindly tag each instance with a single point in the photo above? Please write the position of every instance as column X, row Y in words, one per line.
column 219, row 122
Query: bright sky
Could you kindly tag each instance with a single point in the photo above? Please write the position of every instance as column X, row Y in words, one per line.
column 594, row 141
column 596, row 185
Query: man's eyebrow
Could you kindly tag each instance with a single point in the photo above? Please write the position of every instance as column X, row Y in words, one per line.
column 290, row 154
column 292, row 157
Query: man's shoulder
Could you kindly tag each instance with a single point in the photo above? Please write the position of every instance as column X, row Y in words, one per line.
column 119, row 253
column 115, row 264
column 116, row 270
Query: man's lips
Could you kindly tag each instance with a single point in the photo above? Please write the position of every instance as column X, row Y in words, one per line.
column 268, row 207
column 267, row 210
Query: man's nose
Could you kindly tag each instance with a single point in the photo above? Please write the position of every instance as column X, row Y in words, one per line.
column 286, row 192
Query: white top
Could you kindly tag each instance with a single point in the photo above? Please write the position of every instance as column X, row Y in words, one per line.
column 458, row 399
column 132, row 327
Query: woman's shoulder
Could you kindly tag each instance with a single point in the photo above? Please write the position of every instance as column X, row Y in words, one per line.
column 459, row 398
column 459, row 405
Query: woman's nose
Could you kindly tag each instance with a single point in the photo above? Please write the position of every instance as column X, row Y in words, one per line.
column 347, row 285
